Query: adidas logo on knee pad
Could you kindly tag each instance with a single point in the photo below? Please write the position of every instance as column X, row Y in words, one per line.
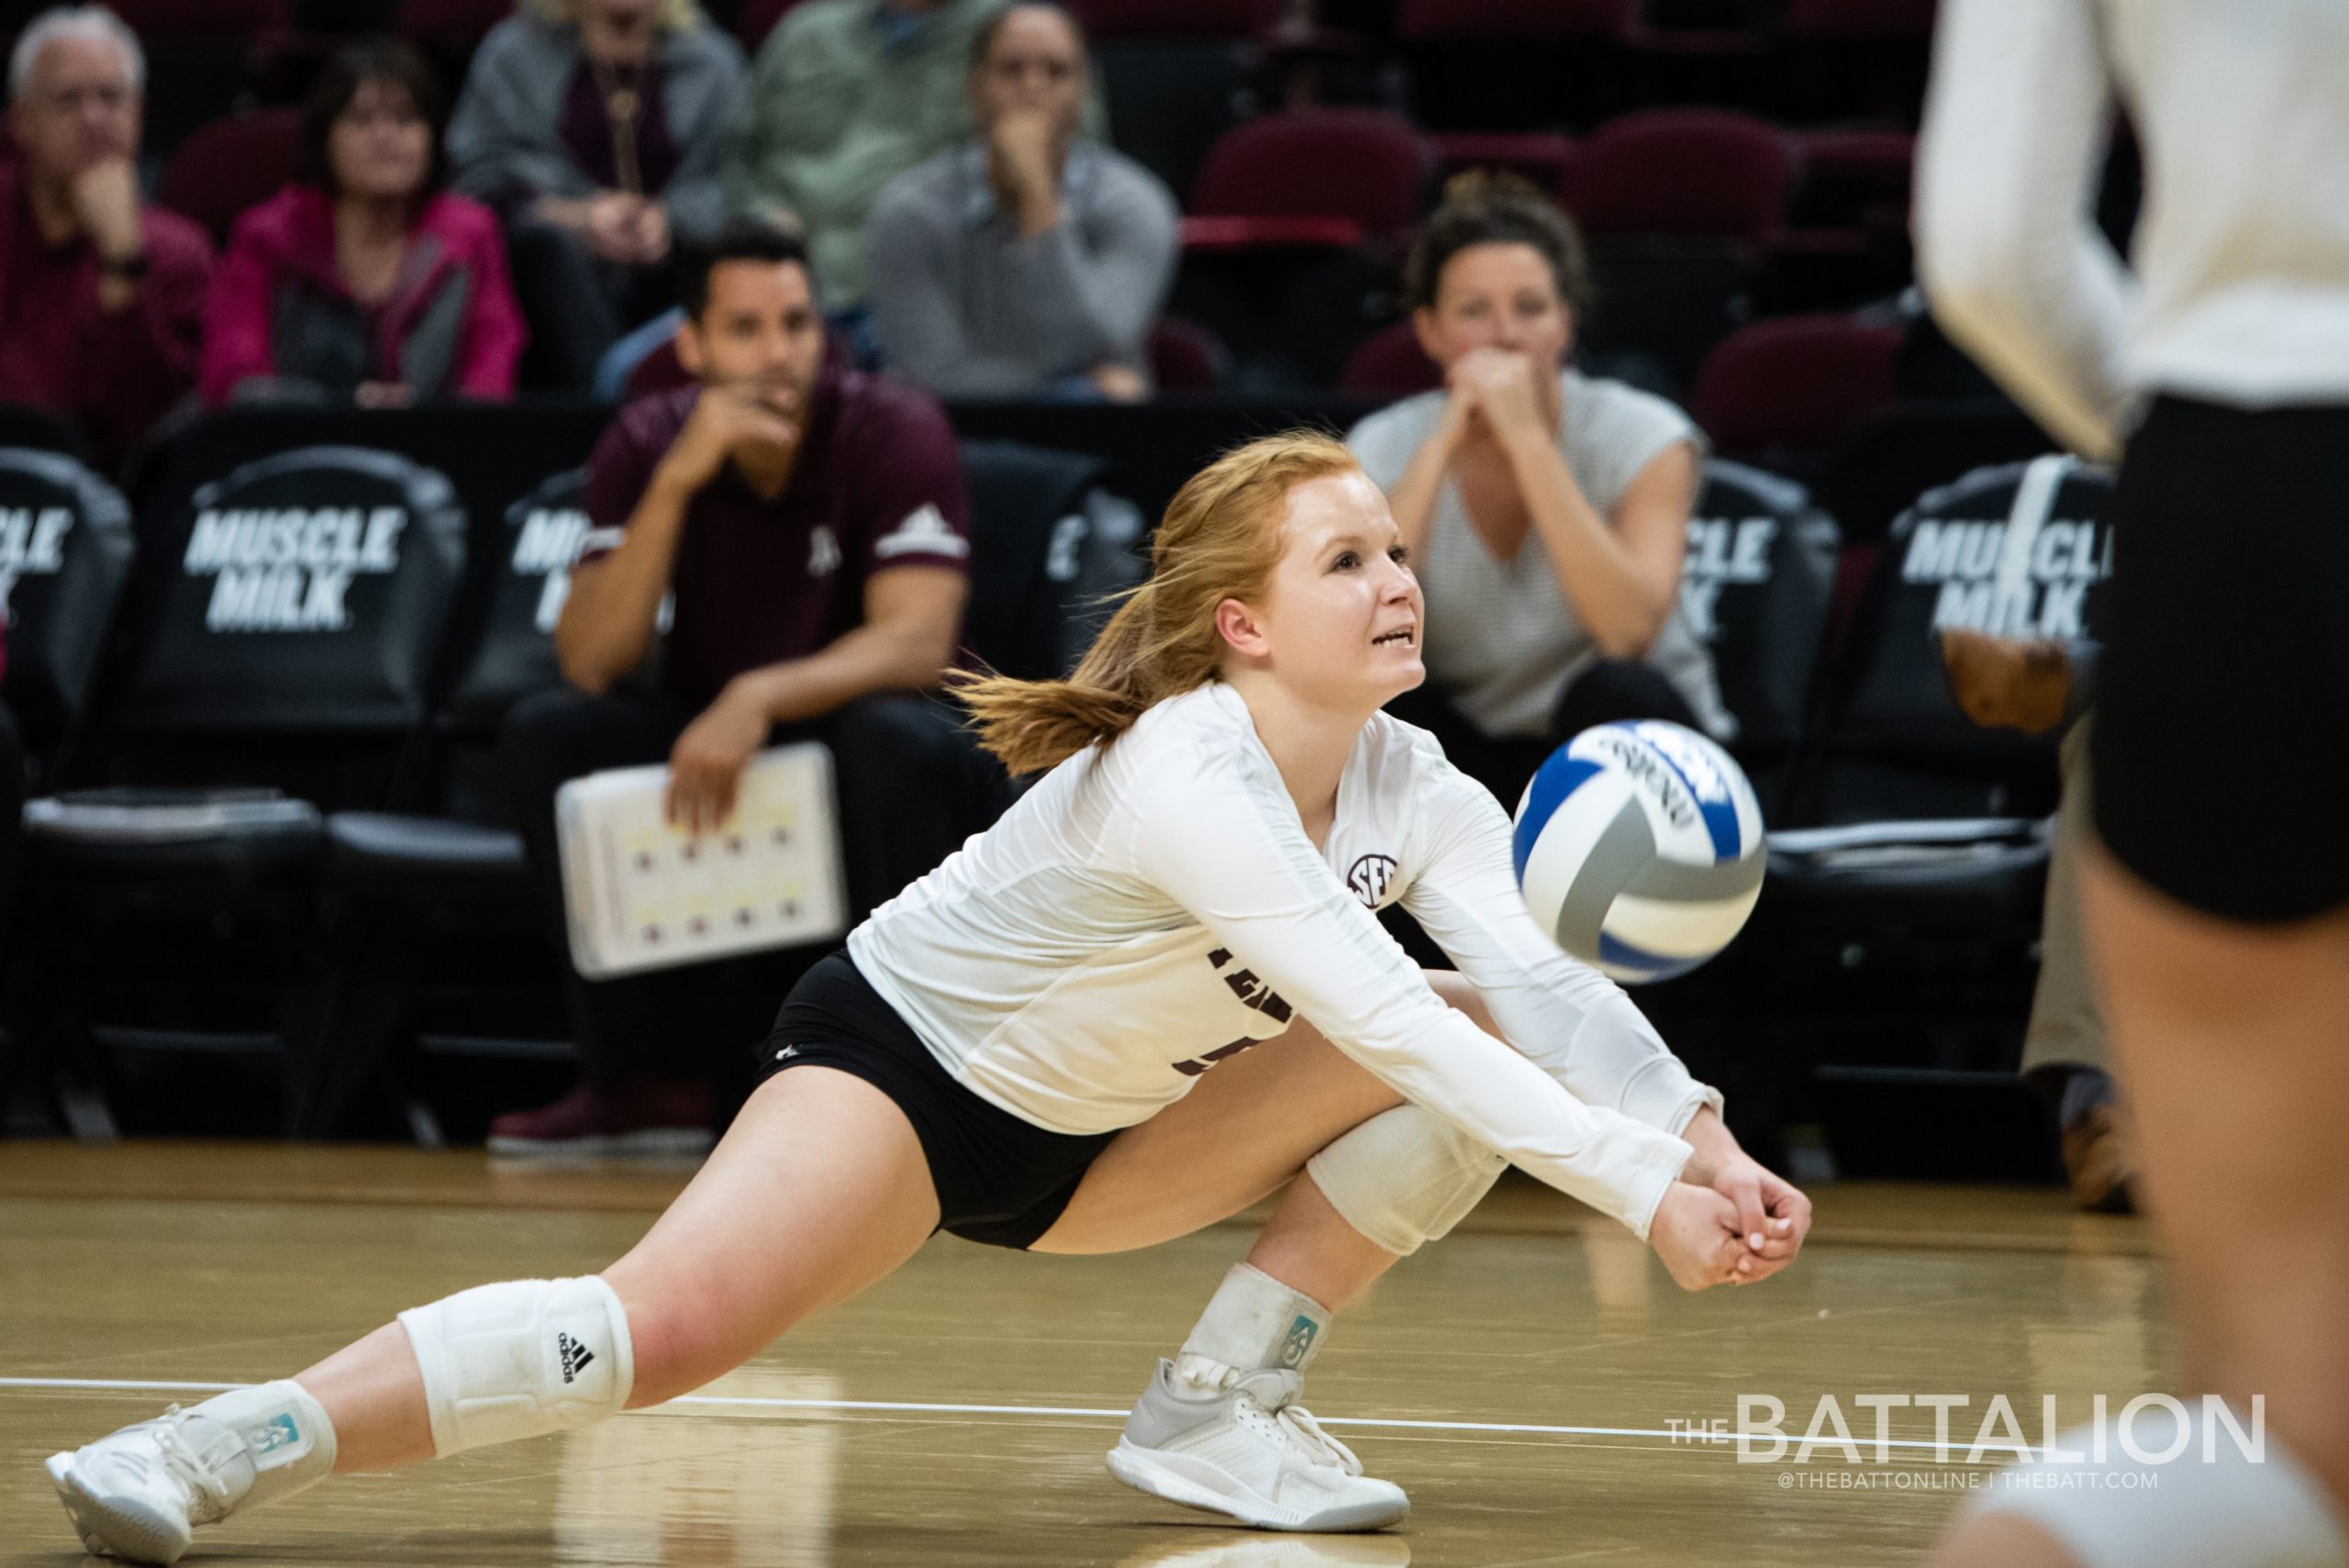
column 574, row 1355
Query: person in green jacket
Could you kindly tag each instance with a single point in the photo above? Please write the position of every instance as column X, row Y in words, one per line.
column 846, row 95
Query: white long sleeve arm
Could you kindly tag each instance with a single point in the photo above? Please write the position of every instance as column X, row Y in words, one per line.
column 2019, row 275
column 1213, row 844
column 1566, row 1017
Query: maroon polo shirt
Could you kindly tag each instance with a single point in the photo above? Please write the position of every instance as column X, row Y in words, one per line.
column 115, row 373
column 878, row 484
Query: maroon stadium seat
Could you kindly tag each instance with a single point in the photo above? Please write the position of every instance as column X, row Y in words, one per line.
column 1847, row 172
column 1795, row 381
column 1313, row 176
column 1698, row 173
column 758, row 18
column 1176, row 18
column 459, row 23
column 189, row 18
column 1860, row 18
column 226, row 167
column 1542, row 157
column 1186, row 357
column 1391, row 364
column 1420, row 20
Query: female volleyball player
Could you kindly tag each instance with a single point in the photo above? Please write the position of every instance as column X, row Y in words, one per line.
column 1151, row 994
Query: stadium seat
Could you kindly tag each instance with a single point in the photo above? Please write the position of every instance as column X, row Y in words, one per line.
column 65, row 557
column 1894, row 744
column 1390, row 364
column 1890, row 458
column 464, row 22
column 1177, row 74
column 431, row 918
column 1860, row 18
column 65, row 554
column 757, row 18
column 1292, row 247
column 1755, row 588
column 1047, row 545
column 1515, row 64
column 1794, row 384
column 1186, row 357
column 1544, row 158
column 199, row 60
column 1846, row 239
column 1111, row 19
column 256, row 693
column 448, row 31
column 1852, row 62
column 1901, row 928
column 228, row 167
column 1678, row 204
column 1367, row 168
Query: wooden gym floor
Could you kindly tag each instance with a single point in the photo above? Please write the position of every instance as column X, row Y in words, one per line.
column 1535, row 1368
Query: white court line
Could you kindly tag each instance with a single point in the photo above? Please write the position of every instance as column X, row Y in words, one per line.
column 1677, row 1438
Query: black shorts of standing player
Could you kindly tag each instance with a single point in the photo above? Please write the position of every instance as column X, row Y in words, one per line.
column 2220, row 749
column 1000, row 1178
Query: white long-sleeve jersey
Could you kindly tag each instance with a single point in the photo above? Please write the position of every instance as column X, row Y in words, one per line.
column 2241, row 292
column 1155, row 905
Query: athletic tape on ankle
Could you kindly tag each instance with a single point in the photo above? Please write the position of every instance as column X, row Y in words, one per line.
column 1405, row 1177
column 2146, row 1506
column 521, row 1359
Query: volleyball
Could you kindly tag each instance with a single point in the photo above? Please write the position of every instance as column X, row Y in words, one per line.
column 1639, row 848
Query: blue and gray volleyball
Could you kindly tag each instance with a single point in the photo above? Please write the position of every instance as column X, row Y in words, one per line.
column 1639, row 849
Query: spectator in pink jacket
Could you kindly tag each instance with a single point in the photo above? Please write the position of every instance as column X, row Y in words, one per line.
column 363, row 280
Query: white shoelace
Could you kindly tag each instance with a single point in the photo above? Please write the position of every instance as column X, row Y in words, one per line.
column 1276, row 1393
column 183, row 1464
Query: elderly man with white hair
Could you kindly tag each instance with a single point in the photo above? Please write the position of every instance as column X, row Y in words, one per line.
column 100, row 295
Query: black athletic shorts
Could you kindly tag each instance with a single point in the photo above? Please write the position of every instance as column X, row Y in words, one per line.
column 1000, row 1178
column 2222, row 737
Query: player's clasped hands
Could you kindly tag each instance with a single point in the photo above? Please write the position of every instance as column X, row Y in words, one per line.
column 1729, row 1219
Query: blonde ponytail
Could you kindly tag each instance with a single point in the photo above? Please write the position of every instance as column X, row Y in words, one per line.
column 1219, row 541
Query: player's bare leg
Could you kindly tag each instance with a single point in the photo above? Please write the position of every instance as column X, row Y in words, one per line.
column 2230, row 1047
column 1221, row 1426
column 819, row 1190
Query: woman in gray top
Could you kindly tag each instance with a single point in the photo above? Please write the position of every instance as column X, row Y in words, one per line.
column 1546, row 511
column 596, row 128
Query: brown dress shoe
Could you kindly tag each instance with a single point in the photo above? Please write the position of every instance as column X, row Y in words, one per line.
column 2005, row 682
column 2097, row 1159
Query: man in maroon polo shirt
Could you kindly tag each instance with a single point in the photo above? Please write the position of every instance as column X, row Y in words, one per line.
column 810, row 525
column 101, row 296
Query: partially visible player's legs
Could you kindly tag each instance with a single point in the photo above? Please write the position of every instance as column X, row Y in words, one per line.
column 820, row 1189
column 2218, row 917
column 2231, row 1051
column 1221, row 1426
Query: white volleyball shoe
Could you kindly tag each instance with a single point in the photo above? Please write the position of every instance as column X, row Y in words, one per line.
column 1252, row 1452
column 140, row 1494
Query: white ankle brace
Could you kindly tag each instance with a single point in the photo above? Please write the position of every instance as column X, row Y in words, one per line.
column 1404, row 1177
column 520, row 1359
column 1254, row 1323
column 2210, row 1504
column 285, row 1437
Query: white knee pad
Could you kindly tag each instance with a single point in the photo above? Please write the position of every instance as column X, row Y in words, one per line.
column 1405, row 1176
column 2144, row 1506
column 521, row 1359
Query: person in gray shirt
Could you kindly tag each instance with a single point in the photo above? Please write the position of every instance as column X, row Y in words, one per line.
column 1546, row 511
column 1030, row 261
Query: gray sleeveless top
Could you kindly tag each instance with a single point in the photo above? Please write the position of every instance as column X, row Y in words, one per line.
column 1503, row 641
